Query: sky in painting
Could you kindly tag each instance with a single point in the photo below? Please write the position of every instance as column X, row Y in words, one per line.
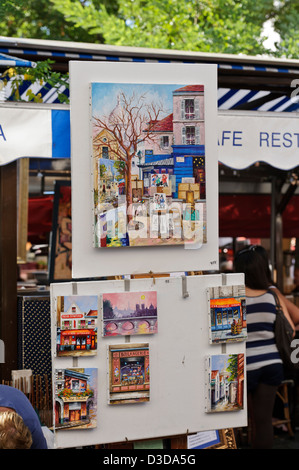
column 84, row 302
column 219, row 362
column 104, row 95
column 124, row 299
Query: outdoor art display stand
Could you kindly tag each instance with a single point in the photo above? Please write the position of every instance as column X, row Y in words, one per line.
column 150, row 357
column 152, row 370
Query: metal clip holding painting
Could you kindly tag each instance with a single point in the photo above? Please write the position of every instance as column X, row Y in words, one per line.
column 224, row 279
column 184, row 287
column 127, row 284
column 74, row 288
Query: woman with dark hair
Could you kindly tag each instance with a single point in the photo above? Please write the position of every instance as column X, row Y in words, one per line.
column 264, row 365
column 291, row 307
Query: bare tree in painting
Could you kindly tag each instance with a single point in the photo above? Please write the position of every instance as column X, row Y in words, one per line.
column 130, row 124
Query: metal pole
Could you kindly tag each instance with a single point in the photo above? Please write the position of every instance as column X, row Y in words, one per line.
column 8, row 267
column 273, row 226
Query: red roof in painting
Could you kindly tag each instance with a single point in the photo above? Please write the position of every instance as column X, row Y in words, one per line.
column 191, row 88
column 165, row 125
column 92, row 313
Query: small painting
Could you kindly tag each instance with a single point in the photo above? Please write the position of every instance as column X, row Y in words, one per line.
column 160, row 179
column 129, row 371
column 227, row 314
column 225, row 382
column 76, row 320
column 75, row 398
column 129, row 313
column 159, row 201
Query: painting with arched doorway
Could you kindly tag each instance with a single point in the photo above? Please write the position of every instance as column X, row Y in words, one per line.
column 75, row 398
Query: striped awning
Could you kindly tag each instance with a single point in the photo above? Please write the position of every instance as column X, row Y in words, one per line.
column 235, row 99
column 255, row 100
column 270, row 92
column 10, row 61
column 48, row 93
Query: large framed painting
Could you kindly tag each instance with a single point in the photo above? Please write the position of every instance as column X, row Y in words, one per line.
column 60, row 265
column 148, row 164
column 216, row 439
column 144, row 168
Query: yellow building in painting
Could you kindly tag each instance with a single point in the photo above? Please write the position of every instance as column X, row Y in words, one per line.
column 104, row 146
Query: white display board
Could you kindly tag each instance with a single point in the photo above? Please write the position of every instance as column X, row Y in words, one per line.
column 88, row 261
column 177, row 363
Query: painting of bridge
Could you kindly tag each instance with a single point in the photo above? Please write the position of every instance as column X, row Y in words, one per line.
column 129, row 313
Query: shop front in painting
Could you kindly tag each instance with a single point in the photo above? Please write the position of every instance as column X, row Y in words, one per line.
column 73, row 398
column 224, row 312
column 71, row 340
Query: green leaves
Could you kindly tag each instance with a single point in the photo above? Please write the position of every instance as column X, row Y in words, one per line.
column 217, row 26
column 230, row 26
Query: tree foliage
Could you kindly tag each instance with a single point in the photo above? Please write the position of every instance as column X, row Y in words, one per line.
column 286, row 19
column 227, row 26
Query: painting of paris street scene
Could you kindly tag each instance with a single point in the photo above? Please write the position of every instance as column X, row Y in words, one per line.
column 148, row 164
column 76, row 325
column 129, row 313
column 75, row 398
column 227, row 314
column 225, row 382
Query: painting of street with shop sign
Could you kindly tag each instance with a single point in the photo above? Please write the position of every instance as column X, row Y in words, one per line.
column 225, row 383
column 227, row 310
column 76, row 325
column 148, row 164
column 129, row 313
column 129, row 373
column 75, row 398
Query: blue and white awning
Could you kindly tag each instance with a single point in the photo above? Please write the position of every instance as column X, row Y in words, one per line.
column 228, row 98
column 10, row 61
column 33, row 132
column 48, row 93
column 255, row 100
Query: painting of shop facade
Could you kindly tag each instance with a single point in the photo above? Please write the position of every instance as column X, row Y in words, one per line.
column 129, row 373
column 75, row 398
column 225, row 382
column 148, row 146
column 227, row 310
column 129, row 313
column 76, row 325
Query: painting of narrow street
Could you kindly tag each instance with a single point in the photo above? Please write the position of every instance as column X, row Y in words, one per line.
column 148, row 164
column 225, row 382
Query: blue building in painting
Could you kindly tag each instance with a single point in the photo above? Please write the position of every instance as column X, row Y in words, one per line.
column 179, row 148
